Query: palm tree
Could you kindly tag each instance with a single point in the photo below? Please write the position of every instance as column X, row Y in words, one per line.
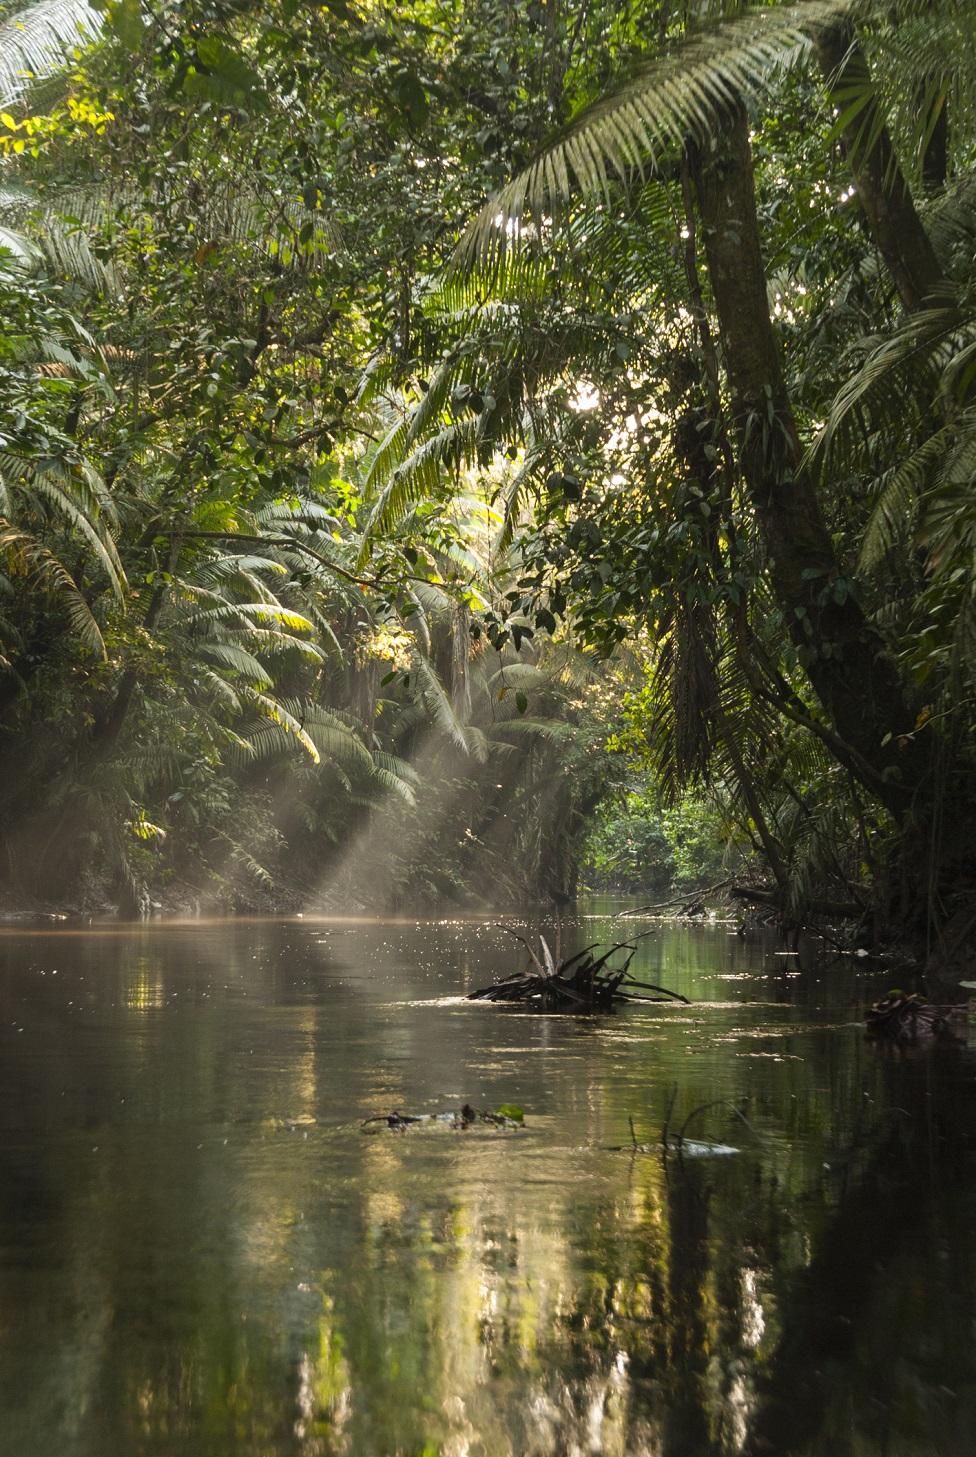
column 636, row 233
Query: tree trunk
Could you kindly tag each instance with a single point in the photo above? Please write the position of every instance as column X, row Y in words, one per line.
column 884, row 194
column 935, row 141
column 843, row 656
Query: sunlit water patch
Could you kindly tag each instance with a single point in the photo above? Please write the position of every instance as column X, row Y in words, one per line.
column 203, row 1252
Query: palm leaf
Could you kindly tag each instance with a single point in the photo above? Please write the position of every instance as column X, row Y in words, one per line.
column 647, row 118
column 29, row 557
column 895, row 508
column 277, row 713
column 422, row 474
column 900, row 368
column 70, row 495
column 246, row 612
column 331, row 734
column 554, row 730
column 36, row 42
column 519, row 675
column 244, row 663
column 437, row 702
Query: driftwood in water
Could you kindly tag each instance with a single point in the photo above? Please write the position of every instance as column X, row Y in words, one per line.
column 908, row 1017
column 509, row 1115
column 765, row 896
column 583, row 982
column 689, row 903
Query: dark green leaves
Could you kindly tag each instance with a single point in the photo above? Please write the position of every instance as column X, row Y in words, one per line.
column 564, row 485
column 220, row 74
column 411, row 97
column 125, row 20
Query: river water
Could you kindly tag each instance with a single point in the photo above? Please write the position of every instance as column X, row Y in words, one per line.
column 203, row 1254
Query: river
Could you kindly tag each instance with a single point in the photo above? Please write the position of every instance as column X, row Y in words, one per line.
column 202, row 1253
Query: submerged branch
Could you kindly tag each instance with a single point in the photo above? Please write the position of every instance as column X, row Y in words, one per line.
column 580, row 982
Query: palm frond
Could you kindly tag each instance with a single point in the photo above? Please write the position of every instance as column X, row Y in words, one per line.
column 394, row 784
column 947, row 525
column 441, row 711
column 303, row 512
column 250, row 614
column 69, row 492
column 519, row 675
column 422, row 474
column 240, row 661
column 75, row 493
column 221, row 689
column 895, row 508
column 277, row 713
column 400, row 767
column 512, row 497
column 56, row 230
column 899, row 369
column 36, row 42
column 556, row 731
column 23, row 250
column 683, row 93
column 332, row 735
column 26, row 556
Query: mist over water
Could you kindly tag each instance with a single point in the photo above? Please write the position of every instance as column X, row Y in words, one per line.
column 201, row 1252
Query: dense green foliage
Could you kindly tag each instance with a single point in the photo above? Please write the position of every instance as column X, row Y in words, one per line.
column 216, row 230
column 336, row 461
column 636, row 845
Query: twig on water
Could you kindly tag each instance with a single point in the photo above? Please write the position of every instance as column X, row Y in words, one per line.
column 702, row 1108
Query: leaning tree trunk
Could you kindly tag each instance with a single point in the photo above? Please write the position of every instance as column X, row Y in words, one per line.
column 884, row 194
column 844, row 657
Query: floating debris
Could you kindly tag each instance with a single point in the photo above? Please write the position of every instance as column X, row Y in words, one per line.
column 691, row 1149
column 583, row 982
column 908, row 1017
column 677, row 1143
column 507, row 1115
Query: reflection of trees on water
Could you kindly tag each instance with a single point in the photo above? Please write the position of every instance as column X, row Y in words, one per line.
column 232, row 1274
column 635, row 1336
column 875, row 1350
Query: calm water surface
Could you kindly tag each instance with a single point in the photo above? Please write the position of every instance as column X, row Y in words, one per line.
column 202, row 1254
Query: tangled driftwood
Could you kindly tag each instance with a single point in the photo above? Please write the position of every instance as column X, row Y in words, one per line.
column 580, row 983
column 909, row 1017
column 509, row 1115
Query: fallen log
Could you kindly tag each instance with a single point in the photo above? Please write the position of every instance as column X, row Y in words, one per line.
column 760, row 895
column 690, row 902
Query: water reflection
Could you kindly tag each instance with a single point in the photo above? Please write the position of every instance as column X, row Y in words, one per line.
column 200, row 1252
